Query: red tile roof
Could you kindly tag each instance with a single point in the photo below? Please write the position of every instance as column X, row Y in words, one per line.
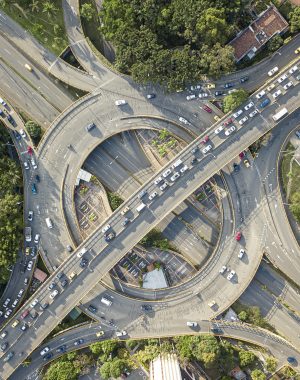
column 269, row 23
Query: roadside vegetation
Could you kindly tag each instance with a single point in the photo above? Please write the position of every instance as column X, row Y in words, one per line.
column 290, row 171
column 156, row 239
column 43, row 19
column 11, row 210
column 233, row 100
column 34, row 130
column 113, row 357
column 114, row 200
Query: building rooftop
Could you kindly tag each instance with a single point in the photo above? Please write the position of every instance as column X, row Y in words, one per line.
column 155, row 279
column 250, row 40
column 165, row 367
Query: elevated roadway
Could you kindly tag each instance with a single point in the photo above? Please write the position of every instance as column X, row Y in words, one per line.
column 100, row 253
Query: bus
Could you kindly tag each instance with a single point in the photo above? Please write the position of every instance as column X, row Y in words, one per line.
column 280, row 114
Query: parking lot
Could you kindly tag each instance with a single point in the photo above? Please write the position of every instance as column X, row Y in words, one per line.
column 131, row 268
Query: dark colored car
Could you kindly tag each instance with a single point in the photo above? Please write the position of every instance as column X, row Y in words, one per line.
column 195, row 150
column 33, row 189
column 297, row 133
column 109, row 237
column 78, row 342
column 194, row 161
column 61, row 348
column 216, row 330
column 218, row 93
column 228, row 85
column 125, row 222
column 17, row 135
column 151, row 96
column 236, row 167
column 244, row 79
column 146, row 307
column 10, row 119
column 83, row 262
column 37, row 178
column 4, row 346
column 2, row 114
column 207, row 109
column 48, row 356
column 59, row 275
column 92, row 309
column 291, row 360
column 64, row 283
column 264, row 103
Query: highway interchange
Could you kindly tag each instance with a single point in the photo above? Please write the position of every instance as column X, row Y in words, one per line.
column 59, row 166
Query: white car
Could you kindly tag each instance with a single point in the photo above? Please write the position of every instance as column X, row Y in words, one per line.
column 6, row 302
column 34, row 302
column 270, row 87
column 273, row 71
column 30, row 216
column 44, row 351
column 29, row 265
column 26, row 166
column 183, row 120
column 223, row 269
column 105, row 228
column 54, row 294
column 33, row 163
column 37, row 238
column 175, row 176
column 237, row 114
column 21, row 293
column 166, row 173
column 203, row 95
column 14, row 304
column 153, row 195
column 184, row 169
column 206, row 149
column 260, row 94
column 163, row 186
column 219, row 129
column 231, row 275
column 3, row 335
column 243, row 120
column 121, row 333
column 282, row 78
column 197, row 87
column 293, row 69
column 23, row 134
column 3, row 102
column 276, row 94
column 288, row 85
column 158, row 180
column 241, row 253
column 120, row 102
column 82, row 252
column 230, row 130
column 253, row 113
column 248, row 106
column 192, row 324
column 8, row 313
column 190, row 97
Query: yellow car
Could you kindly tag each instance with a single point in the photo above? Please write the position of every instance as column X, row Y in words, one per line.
column 247, row 163
column 297, row 51
column 100, row 333
column 210, row 85
column 216, row 118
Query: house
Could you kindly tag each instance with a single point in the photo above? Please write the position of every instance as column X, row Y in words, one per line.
column 238, row 374
column 250, row 40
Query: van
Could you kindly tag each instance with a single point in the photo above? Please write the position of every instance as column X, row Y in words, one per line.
column 212, row 304
column 176, row 164
column 49, row 223
column 28, row 67
column 125, row 210
column 106, row 301
column 89, row 127
column 72, row 275
column 140, row 207
column 16, row 322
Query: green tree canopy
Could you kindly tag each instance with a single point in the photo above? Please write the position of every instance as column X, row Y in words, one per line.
column 61, row 370
column 295, row 205
column 275, row 43
column 104, row 349
column 246, row 358
column 271, row 363
column 105, row 370
column 257, row 374
column 34, row 130
column 207, row 350
column 87, row 11
column 234, row 99
column 295, row 20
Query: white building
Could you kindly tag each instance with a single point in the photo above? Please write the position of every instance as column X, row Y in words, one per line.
column 165, row 367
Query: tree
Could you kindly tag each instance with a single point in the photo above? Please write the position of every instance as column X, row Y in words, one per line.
column 257, row 374
column 104, row 349
column 49, row 8
column 207, row 350
column 243, row 316
column 271, row 363
column 295, row 205
column 275, row 43
column 217, row 60
column 295, row 20
column 105, row 370
column 61, row 370
column 246, row 358
column 117, row 366
column 87, row 11
column 33, row 129
column 234, row 100
column 34, row 6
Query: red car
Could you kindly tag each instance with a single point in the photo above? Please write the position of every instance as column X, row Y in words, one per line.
column 24, row 314
column 207, row 109
column 242, row 155
column 238, row 236
column 205, row 140
column 227, row 122
column 29, row 150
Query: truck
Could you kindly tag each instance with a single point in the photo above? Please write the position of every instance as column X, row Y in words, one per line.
column 280, row 114
column 28, row 234
column 177, row 163
column 140, row 207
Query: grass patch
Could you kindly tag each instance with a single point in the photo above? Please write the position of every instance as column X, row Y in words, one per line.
column 49, row 30
column 114, row 200
column 285, row 164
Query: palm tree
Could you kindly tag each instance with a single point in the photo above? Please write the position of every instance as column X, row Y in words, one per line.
column 49, row 8
column 34, row 6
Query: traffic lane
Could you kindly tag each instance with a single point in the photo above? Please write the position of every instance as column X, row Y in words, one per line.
column 20, row 93
column 276, row 314
column 53, row 93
